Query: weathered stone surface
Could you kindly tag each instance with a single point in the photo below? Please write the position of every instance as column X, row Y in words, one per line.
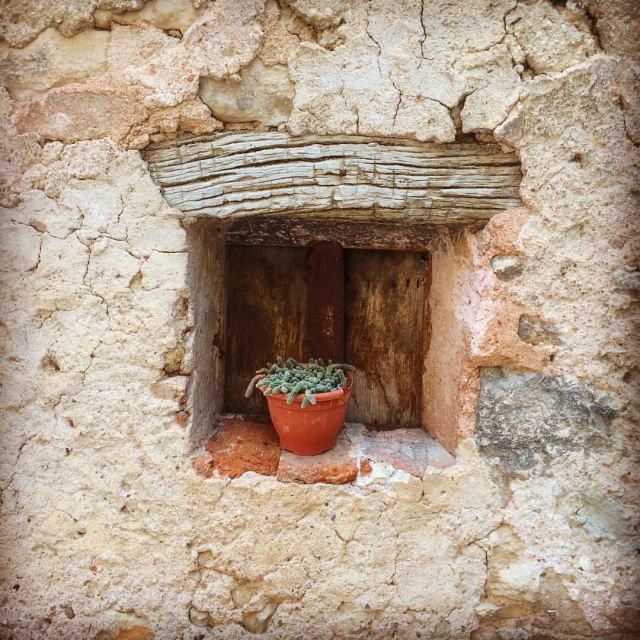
column 240, row 446
column 23, row 20
column 601, row 517
column 52, row 60
column 536, row 331
column 410, row 450
column 627, row 279
column 528, row 420
column 493, row 88
column 332, row 467
column 261, row 94
column 507, row 267
column 163, row 14
column 337, row 92
column 320, row 15
column 226, row 37
column 550, row 41
column 74, row 113
column 280, row 40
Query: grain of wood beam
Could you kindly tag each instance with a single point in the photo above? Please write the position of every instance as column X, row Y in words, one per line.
column 254, row 173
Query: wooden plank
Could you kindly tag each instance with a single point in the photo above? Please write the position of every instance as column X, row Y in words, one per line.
column 385, row 305
column 325, row 308
column 356, row 234
column 208, row 301
column 247, row 173
column 266, row 311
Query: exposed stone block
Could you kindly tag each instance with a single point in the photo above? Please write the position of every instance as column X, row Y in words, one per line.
column 629, row 280
column 555, row 47
column 507, row 267
column 527, row 420
column 409, row 450
column 262, row 94
column 536, row 331
column 226, row 37
column 163, row 14
column 52, row 60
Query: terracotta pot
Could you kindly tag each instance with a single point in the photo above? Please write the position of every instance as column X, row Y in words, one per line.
column 314, row 429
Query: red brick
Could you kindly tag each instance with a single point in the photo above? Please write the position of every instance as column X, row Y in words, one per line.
column 240, row 446
column 136, row 632
column 333, row 467
column 182, row 417
column 202, row 465
column 365, row 467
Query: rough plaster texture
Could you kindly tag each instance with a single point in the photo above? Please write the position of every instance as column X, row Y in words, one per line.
column 108, row 532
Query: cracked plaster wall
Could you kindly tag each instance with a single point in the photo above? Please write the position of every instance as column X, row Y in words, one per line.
column 106, row 530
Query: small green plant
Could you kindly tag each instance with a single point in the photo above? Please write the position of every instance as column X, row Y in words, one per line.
column 294, row 378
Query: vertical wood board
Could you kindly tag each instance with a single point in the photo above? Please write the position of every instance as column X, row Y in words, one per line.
column 325, row 311
column 385, row 305
column 266, row 316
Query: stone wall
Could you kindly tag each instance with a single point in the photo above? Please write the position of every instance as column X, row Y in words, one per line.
column 107, row 531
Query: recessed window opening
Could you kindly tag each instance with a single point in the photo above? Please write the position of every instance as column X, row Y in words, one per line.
column 363, row 306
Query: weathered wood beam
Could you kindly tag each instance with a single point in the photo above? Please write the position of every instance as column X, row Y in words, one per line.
column 285, row 231
column 256, row 173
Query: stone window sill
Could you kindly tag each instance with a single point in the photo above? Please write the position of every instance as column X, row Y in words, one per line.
column 362, row 456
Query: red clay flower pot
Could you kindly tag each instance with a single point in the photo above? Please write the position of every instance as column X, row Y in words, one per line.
column 314, row 429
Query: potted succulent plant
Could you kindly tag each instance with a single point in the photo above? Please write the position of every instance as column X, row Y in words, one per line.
column 307, row 402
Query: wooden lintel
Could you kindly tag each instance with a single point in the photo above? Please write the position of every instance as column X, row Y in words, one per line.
column 251, row 173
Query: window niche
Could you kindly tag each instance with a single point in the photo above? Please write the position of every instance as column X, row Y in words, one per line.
column 362, row 306
column 346, row 248
column 363, row 303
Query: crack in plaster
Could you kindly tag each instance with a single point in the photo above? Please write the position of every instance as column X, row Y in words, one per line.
column 15, row 466
column 424, row 35
column 621, row 102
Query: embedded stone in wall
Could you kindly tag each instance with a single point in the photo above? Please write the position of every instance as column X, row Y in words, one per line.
column 526, row 420
column 262, row 94
column 52, row 60
column 493, row 88
column 164, row 14
column 320, row 15
column 627, row 279
column 226, row 37
column 560, row 44
column 22, row 20
column 534, row 330
column 507, row 267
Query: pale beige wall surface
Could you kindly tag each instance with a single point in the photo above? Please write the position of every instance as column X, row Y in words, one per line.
column 105, row 525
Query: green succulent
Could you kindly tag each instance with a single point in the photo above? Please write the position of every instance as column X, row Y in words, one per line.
column 295, row 378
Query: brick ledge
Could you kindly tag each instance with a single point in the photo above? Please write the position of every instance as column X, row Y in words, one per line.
column 361, row 456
